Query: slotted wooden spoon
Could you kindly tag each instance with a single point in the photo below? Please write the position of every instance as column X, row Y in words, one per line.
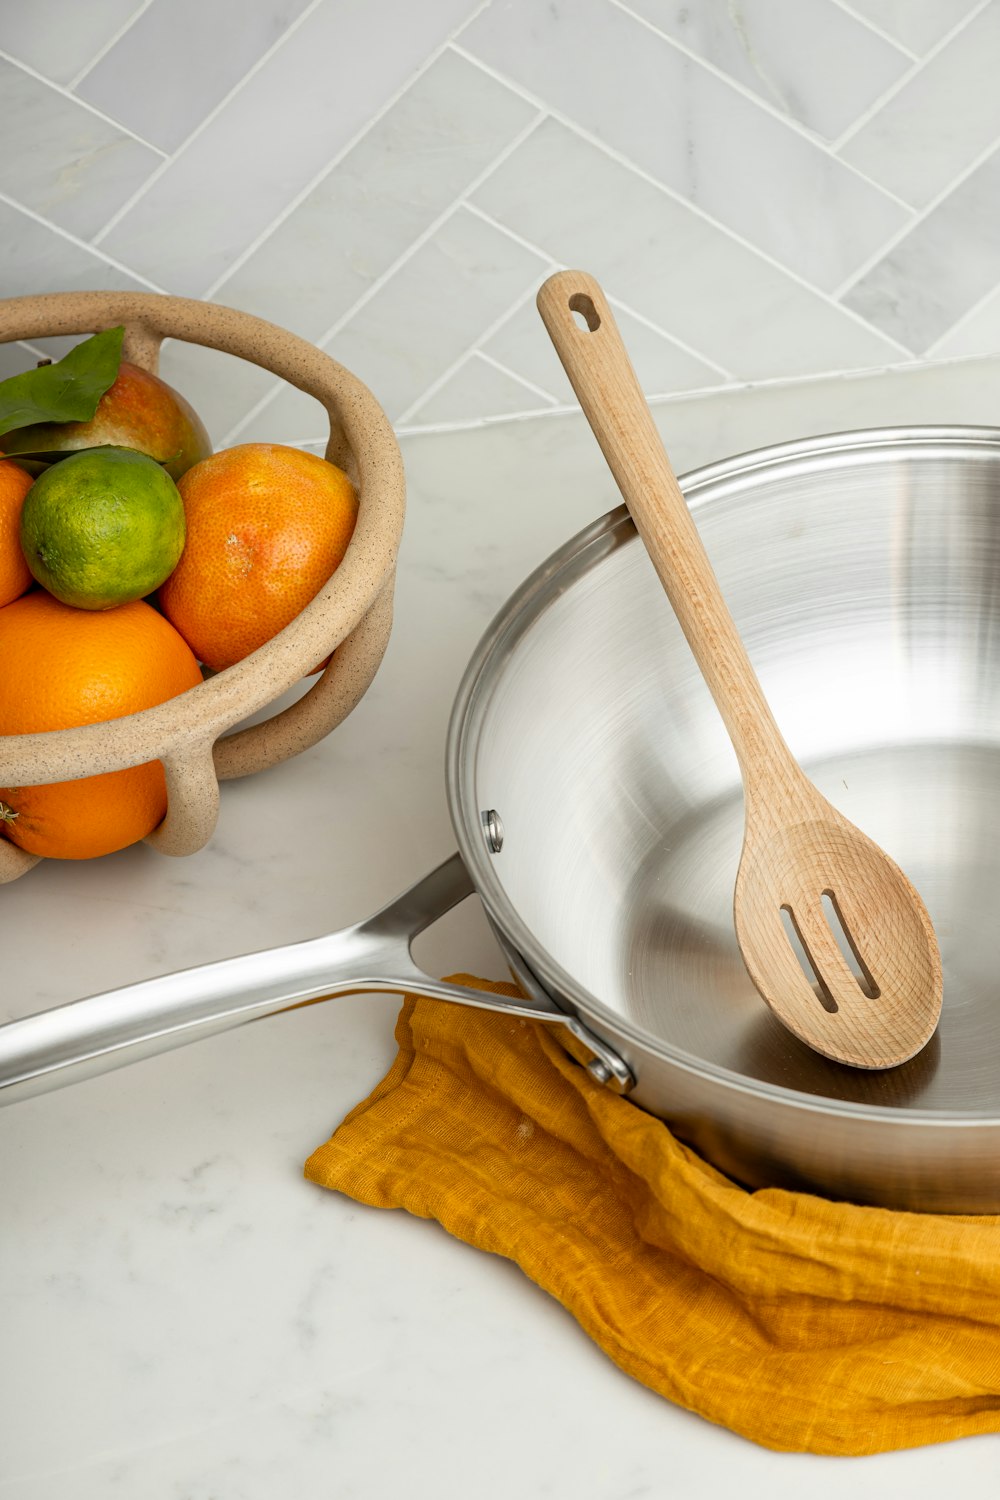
column 797, row 848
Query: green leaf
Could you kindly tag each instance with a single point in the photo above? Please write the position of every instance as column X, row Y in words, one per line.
column 34, row 461
column 65, row 392
column 30, row 463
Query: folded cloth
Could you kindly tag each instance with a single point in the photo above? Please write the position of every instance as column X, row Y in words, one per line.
column 806, row 1325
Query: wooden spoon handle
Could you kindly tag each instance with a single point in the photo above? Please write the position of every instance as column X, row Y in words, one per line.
column 596, row 361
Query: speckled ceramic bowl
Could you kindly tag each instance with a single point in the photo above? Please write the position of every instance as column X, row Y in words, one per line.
column 351, row 615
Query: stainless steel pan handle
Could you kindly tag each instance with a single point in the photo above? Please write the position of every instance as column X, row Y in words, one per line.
column 106, row 1031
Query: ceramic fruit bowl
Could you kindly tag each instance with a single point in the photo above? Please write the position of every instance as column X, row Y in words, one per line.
column 351, row 615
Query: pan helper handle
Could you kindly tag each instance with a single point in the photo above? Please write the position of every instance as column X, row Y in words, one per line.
column 106, row 1031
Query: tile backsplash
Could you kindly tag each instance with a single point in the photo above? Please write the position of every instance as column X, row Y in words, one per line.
column 766, row 188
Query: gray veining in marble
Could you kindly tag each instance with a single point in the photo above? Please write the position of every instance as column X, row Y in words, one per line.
column 941, row 268
column 938, row 122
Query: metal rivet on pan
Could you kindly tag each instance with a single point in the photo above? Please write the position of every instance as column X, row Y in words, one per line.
column 599, row 1070
column 493, row 830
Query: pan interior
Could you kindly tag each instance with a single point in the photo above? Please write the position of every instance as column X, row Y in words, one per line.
column 865, row 579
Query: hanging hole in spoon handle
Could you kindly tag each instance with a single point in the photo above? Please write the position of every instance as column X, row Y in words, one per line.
column 583, row 305
column 607, row 387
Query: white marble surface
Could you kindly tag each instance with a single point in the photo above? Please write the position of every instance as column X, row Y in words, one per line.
column 232, row 38
column 903, row 147
column 772, row 187
column 692, row 132
column 918, row 25
column 74, row 167
column 184, row 1318
column 262, row 147
column 690, row 278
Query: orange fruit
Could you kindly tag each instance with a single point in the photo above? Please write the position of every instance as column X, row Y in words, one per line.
column 63, row 667
column 266, row 526
column 15, row 575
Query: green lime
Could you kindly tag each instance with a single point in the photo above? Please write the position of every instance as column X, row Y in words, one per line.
column 102, row 527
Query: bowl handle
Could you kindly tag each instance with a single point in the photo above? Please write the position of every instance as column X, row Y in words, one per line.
column 141, row 345
column 340, row 688
column 106, row 1031
column 192, row 801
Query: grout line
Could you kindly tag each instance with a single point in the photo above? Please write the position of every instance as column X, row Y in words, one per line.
column 472, row 16
column 914, row 367
column 101, row 52
column 91, row 109
column 615, row 155
column 896, row 88
column 672, row 338
column 693, row 208
column 473, row 348
column 28, row 348
column 710, row 67
column 470, row 354
column 474, row 424
column 871, row 25
column 796, row 126
column 513, row 375
column 335, row 162
column 216, row 110
column 397, row 265
column 73, row 239
column 519, row 239
column 261, row 404
column 964, row 318
column 512, row 234
column 925, row 212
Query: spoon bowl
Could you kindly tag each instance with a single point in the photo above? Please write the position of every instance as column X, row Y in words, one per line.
column 834, row 936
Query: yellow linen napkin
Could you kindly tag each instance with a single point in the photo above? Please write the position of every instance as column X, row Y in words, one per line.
column 805, row 1325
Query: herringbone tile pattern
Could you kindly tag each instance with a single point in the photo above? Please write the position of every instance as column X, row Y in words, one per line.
column 767, row 188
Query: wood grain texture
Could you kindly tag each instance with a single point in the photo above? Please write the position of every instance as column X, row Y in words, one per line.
column 797, row 847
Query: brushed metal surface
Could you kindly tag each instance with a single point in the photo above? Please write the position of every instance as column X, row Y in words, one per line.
column 72, row 1042
column 864, row 575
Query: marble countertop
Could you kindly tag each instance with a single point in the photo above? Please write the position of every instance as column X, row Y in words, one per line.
column 184, row 1317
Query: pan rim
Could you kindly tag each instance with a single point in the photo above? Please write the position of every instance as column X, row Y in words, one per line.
column 578, row 555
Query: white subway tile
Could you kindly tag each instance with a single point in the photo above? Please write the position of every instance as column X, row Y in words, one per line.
column 523, row 345
column 941, row 269
column 423, row 319
column 50, row 348
column 388, row 190
column 34, row 258
column 59, row 40
column 976, row 333
column 331, row 76
column 940, row 121
column 808, row 58
column 291, row 417
column 64, row 161
column 14, row 360
column 443, row 299
column 220, row 387
column 691, row 131
column 917, row 24
column 475, row 391
column 206, row 48
column 690, row 278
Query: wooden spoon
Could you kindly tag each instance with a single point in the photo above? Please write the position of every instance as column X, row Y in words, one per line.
column 797, row 848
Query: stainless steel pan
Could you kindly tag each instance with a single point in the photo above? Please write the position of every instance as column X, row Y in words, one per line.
column 598, row 811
